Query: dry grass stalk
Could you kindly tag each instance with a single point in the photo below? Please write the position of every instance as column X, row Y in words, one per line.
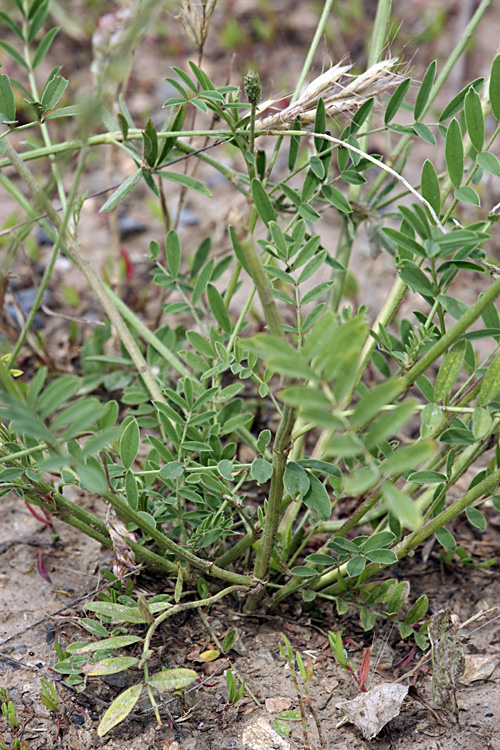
column 195, row 20
column 338, row 93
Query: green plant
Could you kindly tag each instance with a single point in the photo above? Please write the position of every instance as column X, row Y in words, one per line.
column 10, row 715
column 234, row 692
column 48, row 696
column 306, row 674
column 161, row 446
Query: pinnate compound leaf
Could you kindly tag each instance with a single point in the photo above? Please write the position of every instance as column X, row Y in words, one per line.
column 474, row 118
column 489, row 162
column 119, row 709
column 7, row 103
column 53, row 92
column 495, row 87
column 467, row 194
column 317, row 498
column 262, row 202
column 430, row 186
column 173, row 679
column 396, row 100
column 476, row 518
column 402, row 506
column 296, row 480
column 218, row 308
column 125, row 188
column 113, row 665
column 454, row 153
column 490, row 387
column 185, row 180
column 261, row 470
column 449, row 371
column 129, row 443
column 418, row 610
column 425, row 90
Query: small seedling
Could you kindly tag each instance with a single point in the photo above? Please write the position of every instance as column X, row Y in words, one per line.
column 343, row 660
column 9, row 709
column 234, row 693
column 306, row 673
column 10, row 714
column 48, row 696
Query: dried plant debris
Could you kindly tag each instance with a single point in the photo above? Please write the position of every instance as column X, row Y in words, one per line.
column 338, row 93
column 478, row 667
column 261, row 736
column 448, row 660
column 371, row 711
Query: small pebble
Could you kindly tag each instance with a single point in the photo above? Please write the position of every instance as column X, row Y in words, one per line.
column 127, row 225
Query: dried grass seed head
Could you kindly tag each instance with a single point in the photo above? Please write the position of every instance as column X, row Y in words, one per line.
column 338, row 93
column 195, row 20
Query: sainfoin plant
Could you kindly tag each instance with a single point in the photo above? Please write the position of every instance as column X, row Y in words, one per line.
column 372, row 406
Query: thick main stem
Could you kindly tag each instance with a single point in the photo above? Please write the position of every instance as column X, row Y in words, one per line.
column 284, row 434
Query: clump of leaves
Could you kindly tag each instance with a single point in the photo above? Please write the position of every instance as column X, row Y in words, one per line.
column 9, row 714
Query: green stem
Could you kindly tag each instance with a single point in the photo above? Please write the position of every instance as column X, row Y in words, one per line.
column 318, row 35
column 268, row 539
column 438, row 84
column 236, row 551
column 88, row 271
column 261, row 281
column 412, row 541
column 127, row 514
column 146, row 333
column 343, row 255
column 176, row 608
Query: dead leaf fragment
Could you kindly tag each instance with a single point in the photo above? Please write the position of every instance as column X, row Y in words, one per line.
column 261, row 736
column 371, row 711
column 478, row 667
column 275, row 705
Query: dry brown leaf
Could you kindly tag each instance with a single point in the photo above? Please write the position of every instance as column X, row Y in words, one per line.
column 478, row 667
column 371, row 711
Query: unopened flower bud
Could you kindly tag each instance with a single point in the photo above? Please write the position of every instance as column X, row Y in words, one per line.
column 252, row 87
